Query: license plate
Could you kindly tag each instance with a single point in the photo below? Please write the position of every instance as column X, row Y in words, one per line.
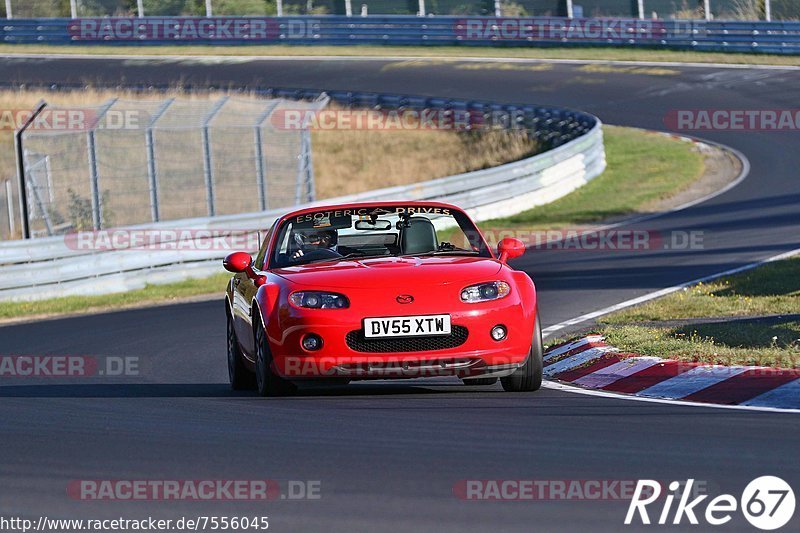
column 407, row 326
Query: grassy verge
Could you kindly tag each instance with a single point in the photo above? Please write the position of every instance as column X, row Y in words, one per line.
column 151, row 294
column 749, row 318
column 599, row 53
column 626, row 149
column 643, row 168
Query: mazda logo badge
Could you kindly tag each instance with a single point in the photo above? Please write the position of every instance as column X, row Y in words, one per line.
column 405, row 299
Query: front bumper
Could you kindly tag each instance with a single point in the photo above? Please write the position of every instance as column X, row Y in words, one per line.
column 477, row 356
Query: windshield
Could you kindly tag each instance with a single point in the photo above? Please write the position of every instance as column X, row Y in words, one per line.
column 364, row 232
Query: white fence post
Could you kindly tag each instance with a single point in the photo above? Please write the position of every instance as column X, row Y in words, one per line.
column 140, row 7
column 422, row 11
column 707, row 9
column 640, row 6
column 498, row 9
column 279, row 7
column 348, row 8
column 152, row 170
column 768, row 10
column 209, row 9
column 94, row 176
column 73, row 8
column 569, row 8
column 9, row 15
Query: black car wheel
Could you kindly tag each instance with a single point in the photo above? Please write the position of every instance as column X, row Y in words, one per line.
column 240, row 377
column 268, row 382
column 528, row 377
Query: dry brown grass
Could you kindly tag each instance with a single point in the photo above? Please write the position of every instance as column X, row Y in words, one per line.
column 347, row 162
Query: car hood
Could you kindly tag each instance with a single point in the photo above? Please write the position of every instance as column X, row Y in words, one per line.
column 392, row 271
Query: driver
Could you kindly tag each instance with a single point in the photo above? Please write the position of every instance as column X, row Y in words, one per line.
column 315, row 240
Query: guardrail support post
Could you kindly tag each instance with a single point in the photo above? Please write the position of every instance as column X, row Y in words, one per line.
column 640, row 8
column 10, row 206
column 421, row 8
column 707, row 9
column 140, row 8
column 279, row 8
column 348, row 8
column 498, row 9
column 9, row 15
column 152, row 170
column 73, row 8
column 208, row 164
column 209, row 9
column 23, row 191
column 569, row 9
column 768, row 10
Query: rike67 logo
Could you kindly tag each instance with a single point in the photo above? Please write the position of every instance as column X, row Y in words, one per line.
column 767, row 503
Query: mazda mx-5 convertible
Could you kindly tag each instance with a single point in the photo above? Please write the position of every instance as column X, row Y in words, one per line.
column 380, row 291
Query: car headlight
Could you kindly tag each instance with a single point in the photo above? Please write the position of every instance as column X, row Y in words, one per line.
column 485, row 292
column 319, row 300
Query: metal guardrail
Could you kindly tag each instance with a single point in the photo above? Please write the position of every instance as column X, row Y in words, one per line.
column 55, row 266
column 777, row 37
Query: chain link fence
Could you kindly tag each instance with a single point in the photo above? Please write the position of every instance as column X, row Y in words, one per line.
column 126, row 162
column 721, row 9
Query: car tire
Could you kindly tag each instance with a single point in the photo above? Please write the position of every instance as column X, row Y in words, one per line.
column 268, row 383
column 479, row 381
column 240, row 377
column 528, row 377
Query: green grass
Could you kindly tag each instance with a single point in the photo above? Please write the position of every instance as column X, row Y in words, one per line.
column 773, row 288
column 643, row 168
column 600, row 53
column 726, row 343
column 150, row 294
column 677, row 326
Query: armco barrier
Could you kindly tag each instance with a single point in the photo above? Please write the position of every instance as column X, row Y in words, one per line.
column 734, row 36
column 50, row 267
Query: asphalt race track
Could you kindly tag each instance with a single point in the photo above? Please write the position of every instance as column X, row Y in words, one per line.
column 388, row 456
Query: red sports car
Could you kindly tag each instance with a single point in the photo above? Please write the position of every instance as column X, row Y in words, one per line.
column 380, row 291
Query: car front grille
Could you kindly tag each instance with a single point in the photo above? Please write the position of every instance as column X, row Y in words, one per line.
column 356, row 341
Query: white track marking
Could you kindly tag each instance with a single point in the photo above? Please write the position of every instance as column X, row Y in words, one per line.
column 664, row 292
column 617, row 371
column 694, row 380
column 680, row 403
column 472, row 59
column 788, row 393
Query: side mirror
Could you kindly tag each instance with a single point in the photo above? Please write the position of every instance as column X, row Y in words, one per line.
column 510, row 248
column 237, row 262
column 242, row 262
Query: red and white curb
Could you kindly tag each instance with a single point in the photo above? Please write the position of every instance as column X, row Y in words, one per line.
column 592, row 364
